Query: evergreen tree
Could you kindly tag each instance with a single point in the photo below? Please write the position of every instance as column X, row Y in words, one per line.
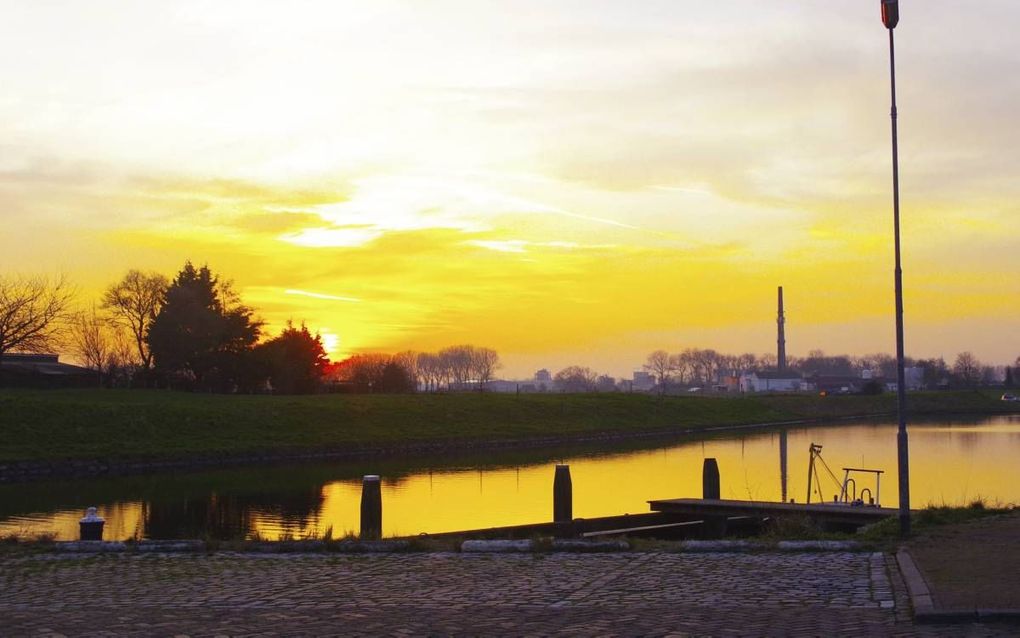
column 294, row 361
column 202, row 334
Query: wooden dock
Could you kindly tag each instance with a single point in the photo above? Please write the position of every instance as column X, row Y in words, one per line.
column 829, row 515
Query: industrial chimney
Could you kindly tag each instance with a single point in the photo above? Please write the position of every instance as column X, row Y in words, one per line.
column 781, row 321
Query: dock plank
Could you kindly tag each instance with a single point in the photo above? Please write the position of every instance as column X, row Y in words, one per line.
column 832, row 513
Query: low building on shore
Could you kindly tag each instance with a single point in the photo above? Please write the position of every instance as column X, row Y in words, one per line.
column 771, row 381
column 25, row 370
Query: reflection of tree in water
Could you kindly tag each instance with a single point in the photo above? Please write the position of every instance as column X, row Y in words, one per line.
column 224, row 516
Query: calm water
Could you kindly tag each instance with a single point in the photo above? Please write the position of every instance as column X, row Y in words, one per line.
column 951, row 463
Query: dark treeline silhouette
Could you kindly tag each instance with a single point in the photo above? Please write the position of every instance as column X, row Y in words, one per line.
column 191, row 333
column 697, row 367
column 194, row 333
column 456, row 368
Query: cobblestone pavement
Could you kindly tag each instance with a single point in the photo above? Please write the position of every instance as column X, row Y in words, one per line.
column 771, row 594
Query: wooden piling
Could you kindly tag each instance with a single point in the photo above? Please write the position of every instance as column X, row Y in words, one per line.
column 710, row 486
column 714, row 526
column 563, row 497
column 371, row 507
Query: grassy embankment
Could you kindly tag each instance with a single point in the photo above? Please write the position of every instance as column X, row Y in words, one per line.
column 117, row 424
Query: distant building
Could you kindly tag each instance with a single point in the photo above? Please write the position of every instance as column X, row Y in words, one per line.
column 643, row 381
column 770, row 381
column 543, row 376
column 914, row 376
column 727, row 381
column 840, row 384
column 19, row 370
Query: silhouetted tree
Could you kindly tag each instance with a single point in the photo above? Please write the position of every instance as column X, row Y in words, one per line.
column 934, row 372
column 362, row 373
column 100, row 345
column 458, row 362
column 202, row 332
column 1009, row 380
column 484, row 363
column 967, row 369
column 408, row 360
column 394, row 379
column 605, row 383
column 575, row 379
column 134, row 302
column 31, row 310
column 818, row 363
column 295, row 361
column 660, row 365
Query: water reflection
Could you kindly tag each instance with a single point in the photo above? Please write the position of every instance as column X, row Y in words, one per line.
column 951, row 462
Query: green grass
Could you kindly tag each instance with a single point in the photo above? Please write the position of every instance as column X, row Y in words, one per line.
column 120, row 424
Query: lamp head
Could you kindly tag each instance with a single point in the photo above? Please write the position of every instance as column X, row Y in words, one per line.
column 890, row 13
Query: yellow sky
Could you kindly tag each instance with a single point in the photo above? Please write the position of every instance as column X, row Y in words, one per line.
column 566, row 182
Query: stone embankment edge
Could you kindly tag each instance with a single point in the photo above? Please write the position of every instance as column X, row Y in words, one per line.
column 61, row 468
column 923, row 600
column 467, row 546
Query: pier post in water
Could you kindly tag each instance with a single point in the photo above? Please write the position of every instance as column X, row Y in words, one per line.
column 714, row 526
column 563, row 496
column 371, row 508
column 782, row 464
column 710, row 487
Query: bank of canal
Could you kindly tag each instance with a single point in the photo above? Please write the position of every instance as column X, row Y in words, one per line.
column 952, row 462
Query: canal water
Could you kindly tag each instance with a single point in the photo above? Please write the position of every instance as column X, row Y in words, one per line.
column 952, row 462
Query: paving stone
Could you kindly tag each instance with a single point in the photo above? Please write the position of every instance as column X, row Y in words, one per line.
column 451, row 594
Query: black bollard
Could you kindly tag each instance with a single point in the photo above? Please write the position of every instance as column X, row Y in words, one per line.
column 714, row 526
column 563, row 497
column 710, row 487
column 371, row 508
column 90, row 528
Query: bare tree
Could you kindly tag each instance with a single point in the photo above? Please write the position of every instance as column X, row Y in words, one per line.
column 458, row 361
column 660, row 365
column 605, row 383
column 429, row 369
column 31, row 311
column 134, row 302
column 484, row 362
column 682, row 364
column 575, row 379
column 747, row 361
column 967, row 368
column 408, row 360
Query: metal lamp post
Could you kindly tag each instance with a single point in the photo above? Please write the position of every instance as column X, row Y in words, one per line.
column 890, row 18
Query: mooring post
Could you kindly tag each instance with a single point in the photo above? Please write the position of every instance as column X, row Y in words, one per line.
column 90, row 528
column 714, row 526
column 710, row 487
column 563, row 495
column 371, row 508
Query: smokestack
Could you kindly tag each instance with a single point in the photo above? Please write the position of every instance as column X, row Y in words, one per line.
column 781, row 321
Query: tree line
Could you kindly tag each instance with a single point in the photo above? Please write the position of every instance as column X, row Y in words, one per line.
column 456, row 368
column 193, row 332
column 698, row 367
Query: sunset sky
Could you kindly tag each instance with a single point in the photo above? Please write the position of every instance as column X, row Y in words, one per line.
column 567, row 182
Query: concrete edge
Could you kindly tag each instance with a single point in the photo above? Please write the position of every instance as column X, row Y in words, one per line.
column 496, row 547
column 819, row 546
column 697, row 546
column 921, row 598
column 251, row 547
column 469, row 546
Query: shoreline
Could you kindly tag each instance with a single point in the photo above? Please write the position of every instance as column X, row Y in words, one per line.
column 63, row 468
